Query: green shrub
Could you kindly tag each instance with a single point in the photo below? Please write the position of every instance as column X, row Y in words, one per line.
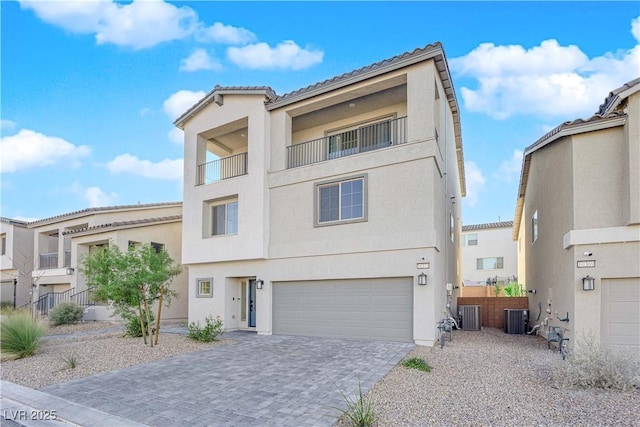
column 514, row 289
column 416, row 363
column 70, row 362
column 591, row 365
column 132, row 326
column 21, row 335
column 360, row 410
column 210, row 331
column 64, row 313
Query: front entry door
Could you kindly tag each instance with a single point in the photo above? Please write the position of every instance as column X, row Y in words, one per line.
column 252, row 304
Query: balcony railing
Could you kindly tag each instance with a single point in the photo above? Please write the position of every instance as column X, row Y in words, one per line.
column 366, row 138
column 48, row 261
column 220, row 169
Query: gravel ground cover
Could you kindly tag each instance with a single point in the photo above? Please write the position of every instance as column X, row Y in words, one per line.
column 489, row 378
column 481, row 378
column 97, row 347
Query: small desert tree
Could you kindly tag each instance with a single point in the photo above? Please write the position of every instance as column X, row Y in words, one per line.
column 132, row 281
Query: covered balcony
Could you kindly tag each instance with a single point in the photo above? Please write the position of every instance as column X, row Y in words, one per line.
column 359, row 139
column 222, row 153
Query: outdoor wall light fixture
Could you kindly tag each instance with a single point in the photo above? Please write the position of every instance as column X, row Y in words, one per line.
column 259, row 284
column 70, row 271
column 532, row 291
column 422, row 279
column 588, row 283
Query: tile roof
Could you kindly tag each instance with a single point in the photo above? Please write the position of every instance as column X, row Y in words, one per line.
column 617, row 95
column 120, row 224
column 489, row 225
column 13, row 221
column 100, row 209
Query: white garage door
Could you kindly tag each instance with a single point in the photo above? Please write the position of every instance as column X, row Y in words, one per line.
column 621, row 313
column 375, row 309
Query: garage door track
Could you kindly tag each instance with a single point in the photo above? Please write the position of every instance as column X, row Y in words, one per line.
column 254, row 380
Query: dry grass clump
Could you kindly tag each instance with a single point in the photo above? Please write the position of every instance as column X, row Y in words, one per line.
column 591, row 365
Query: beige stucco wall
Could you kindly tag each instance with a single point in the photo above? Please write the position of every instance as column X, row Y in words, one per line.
column 492, row 242
column 17, row 262
column 630, row 169
column 549, row 265
column 250, row 190
column 585, row 218
column 413, row 189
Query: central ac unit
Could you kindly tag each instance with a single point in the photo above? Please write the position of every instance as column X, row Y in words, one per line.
column 515, row 321
column 470, row 317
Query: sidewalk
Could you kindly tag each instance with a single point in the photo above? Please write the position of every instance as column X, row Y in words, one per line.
column 22, row 406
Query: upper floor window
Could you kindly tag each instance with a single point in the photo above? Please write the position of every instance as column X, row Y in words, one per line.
column 495, row 263
column 341, row 201
column 370, row 136
column 4, row 244
column 470, row 239
column 157, row 247
column 534, row 227
column 224, row 218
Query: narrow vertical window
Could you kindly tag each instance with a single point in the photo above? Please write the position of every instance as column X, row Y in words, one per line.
column 534, row 227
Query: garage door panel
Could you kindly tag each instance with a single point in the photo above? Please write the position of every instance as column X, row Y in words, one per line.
column 621, row 314
column 363, row 308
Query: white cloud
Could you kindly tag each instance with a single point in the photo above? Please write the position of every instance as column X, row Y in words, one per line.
column 179, row 102
column 96, row 197
column 286, row 55
column 475, row 183
column 7, row 125
column 146, row 111
column 226, row 34
column 548, row 80
column 200, row 60
column 509, row 170
column 28, row 149
column 166, row 169
column 139, row 24
column 176, row 136
column 635, row 29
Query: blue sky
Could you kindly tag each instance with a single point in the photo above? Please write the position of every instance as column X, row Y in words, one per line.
column 90, row 89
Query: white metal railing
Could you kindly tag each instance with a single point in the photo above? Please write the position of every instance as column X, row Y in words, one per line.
column 225, row 168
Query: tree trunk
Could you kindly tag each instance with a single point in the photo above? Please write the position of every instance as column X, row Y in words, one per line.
column 146, row 310
column 142, row 328
column 159, row 312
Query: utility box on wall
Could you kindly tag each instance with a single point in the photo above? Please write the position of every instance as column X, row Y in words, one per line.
column 470, row 316
column 515, row 321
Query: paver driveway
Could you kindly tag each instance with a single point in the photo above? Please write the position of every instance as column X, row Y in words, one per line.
column 255, row 380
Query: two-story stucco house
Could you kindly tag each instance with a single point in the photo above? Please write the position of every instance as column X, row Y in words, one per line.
column 60, row 243
column 322, row 211
column 577, row 223
column 488, row 253
column 16, row 261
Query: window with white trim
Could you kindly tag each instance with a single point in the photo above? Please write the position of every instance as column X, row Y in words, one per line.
column 534, row 227
column 495, row 263
column 204, row 288
column 4, row 244
column 470, row 239
column 224, row 218
column 341, row 201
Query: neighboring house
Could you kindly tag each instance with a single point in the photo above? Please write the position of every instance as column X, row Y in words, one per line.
column 16, row 261
column 62, row 241
column 315, row 212
column 489, row 254
column 578, row 218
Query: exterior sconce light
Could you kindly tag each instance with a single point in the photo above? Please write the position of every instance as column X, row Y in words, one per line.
column 422, row 279
column 70, row 271
column 588, row 283
column 532, row 291
column 259, row 284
